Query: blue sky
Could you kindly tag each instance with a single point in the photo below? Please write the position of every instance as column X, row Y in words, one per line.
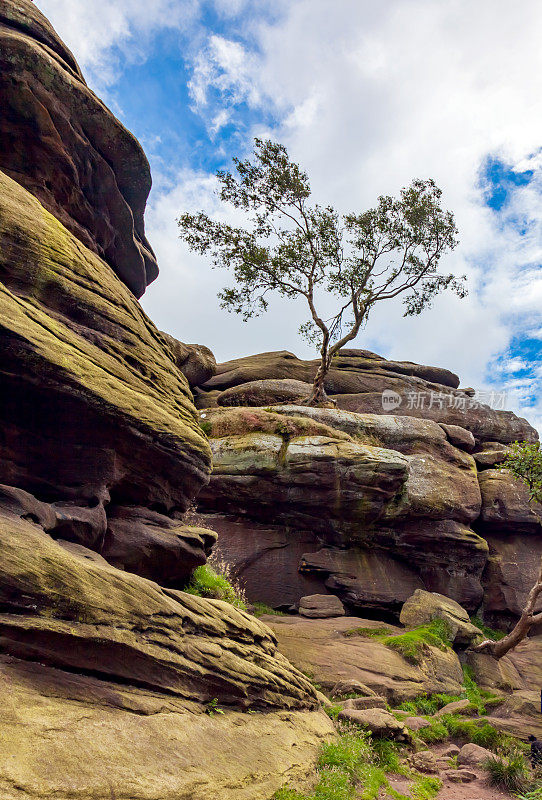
column 365, row 109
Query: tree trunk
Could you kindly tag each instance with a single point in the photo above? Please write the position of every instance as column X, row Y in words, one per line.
column 520, row 631
column 318, row 395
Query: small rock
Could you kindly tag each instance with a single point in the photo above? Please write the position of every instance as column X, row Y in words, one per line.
column 459, row 437
column 425, row 761
column 321, row 606
column 416, row 723
column 460, row 775
column 472, row 754
column 361, row 703
column 450, row 751
column 457, row 707
column 380, row 723
column 351, row 686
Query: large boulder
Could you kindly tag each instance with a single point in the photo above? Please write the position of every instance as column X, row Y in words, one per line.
column 321, row 606
column 379, row 722
column 424, row 607
column 321, row 648
column 269, row 475
column 506, row 504
column 267, row 392
column 196, row 362
column 390, row 503
column 59, row 141
column 152, row 545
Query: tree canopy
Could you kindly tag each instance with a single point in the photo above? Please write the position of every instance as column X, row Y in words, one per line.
column 297, row 249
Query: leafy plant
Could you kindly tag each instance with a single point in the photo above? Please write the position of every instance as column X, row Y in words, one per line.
column 524, row 461
column 212, row 707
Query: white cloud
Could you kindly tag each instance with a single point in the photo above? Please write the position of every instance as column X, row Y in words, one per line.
column 92, row 29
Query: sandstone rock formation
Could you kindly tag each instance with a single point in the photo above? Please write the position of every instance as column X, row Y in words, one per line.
column 109, row 673
column 60, row 142
column 367, row 506
column 320, row 648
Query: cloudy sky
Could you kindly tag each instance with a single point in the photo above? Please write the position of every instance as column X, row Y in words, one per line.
column 366, row 96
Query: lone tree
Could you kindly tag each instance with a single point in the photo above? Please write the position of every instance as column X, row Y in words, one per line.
column 524, row 462
column 301, row 250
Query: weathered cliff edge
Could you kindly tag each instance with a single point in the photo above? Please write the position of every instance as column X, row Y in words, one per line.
column 363, row 502
column 107, row 670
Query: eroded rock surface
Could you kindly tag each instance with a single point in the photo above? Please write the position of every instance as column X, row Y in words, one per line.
column 59, row 141
column 419, row 508
column 321, row 649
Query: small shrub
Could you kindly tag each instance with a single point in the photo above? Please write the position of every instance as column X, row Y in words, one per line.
column 206, row 426
column 509, row 772
column 213, row 708
column 435, row 733
column 214, row 580
column 349, row 752
column 334, row 784
column 333, row 711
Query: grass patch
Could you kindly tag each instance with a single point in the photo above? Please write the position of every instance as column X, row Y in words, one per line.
column 425, row 787
column 489, row 633
column 354, row 766
column 427, row 705
column 412, row 644
column 509, row 772
column 533, row 793
column 479, row 698
column 454, row 726
column 375, row 632
column 214, row 580
column 261, row 608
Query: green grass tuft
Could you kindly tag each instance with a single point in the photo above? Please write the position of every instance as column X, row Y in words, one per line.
column 213, row 580
column 370, row 632
column 261, row 608
column 489, row 633
column 509, row 772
